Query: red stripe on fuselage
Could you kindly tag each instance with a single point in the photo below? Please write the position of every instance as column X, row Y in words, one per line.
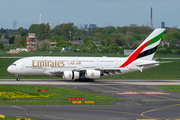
column 134, row 55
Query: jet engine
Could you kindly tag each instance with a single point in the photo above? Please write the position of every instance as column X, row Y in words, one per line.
column 92, row 74
column 70, row 75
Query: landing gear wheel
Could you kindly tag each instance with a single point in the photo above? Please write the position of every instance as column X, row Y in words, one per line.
column 85, row 80
column 91, row 80
column 18, row 79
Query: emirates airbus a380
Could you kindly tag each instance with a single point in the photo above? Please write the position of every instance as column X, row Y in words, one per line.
column 89, row 68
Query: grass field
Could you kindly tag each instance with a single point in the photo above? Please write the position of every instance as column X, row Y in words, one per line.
column 168, row 71
column 30, row 95
column 174, row 88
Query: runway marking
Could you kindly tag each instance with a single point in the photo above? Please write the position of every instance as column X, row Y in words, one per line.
column 156, row 109
column 18, row 107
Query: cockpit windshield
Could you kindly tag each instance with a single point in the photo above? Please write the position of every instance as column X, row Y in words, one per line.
column 14, row 64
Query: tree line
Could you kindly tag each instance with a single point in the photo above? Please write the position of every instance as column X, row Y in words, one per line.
column 109, row 39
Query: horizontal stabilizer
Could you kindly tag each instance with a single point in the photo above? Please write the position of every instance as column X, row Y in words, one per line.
column 152, row 63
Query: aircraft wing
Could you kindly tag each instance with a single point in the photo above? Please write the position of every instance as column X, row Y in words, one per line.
column 102, row 69
column 113, row 69
column 105, row 71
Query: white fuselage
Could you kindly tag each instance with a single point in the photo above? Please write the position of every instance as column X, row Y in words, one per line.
column 49, row 65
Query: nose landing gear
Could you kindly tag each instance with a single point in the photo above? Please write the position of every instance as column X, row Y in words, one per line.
column 17, row 79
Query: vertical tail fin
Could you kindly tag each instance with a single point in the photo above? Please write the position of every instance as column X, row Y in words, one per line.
column 147, row 48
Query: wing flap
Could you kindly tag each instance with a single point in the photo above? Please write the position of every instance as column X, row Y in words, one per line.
column 113, row 69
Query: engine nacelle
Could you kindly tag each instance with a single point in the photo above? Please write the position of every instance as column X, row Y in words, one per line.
column 70, row 75
column 92, row 74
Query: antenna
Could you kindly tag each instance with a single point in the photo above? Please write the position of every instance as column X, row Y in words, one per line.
column 40, row 19
column 14, row 24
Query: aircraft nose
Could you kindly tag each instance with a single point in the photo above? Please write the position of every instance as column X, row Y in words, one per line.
column 10, row 70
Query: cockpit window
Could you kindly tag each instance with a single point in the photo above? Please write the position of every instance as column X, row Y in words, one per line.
column 14, row 64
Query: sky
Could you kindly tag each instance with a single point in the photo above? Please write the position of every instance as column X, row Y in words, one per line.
column 101, row 12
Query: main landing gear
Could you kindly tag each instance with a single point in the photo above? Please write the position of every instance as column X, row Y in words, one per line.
column 85, row 80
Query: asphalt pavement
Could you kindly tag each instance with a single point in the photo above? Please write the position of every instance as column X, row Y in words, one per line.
column 141, row 101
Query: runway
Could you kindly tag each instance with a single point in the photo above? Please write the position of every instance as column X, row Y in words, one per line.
column 142, row 101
